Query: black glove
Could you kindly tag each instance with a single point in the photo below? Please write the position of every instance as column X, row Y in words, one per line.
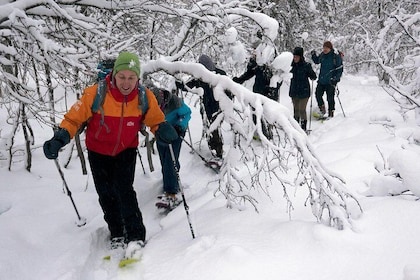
column 179, row 85
column 60, row 139
column 236, row 80
column 180, row 131
column 333, row 81
column 166, row 133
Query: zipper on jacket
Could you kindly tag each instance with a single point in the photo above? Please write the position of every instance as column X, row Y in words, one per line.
column 120, row 126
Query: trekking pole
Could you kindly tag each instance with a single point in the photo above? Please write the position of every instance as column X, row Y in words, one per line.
column 141, row 161
column 188, row 126
column 81, row 221
column 201, row 157
column 339, row 101
column 181, row 189
column 310, row 108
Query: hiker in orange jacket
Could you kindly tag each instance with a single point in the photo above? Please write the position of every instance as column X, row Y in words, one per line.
column 111, row 141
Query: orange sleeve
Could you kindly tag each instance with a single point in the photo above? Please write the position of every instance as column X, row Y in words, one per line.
column 80, row 112
column 154, row 115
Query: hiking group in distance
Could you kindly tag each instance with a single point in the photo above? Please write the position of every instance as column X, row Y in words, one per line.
column 117, row 107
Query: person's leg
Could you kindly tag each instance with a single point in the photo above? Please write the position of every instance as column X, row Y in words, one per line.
column 267, row 130
column 215, row 142
column 319, row 93
column 303, row 102
column 101, row 168
column 122, row 180
column 331, row 100
column 302, row 111
column 170, row 181
column 296, row 115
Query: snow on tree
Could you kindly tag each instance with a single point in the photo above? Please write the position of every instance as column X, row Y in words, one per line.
column 391, row 43
column 48, row 44
column 249, row 164
column 44, row 44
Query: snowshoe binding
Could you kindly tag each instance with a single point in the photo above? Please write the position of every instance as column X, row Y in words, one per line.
column 319, row 116
column 167, row 202
column 133, row 253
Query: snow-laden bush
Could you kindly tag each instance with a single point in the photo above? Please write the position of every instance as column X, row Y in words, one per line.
column 398, row 175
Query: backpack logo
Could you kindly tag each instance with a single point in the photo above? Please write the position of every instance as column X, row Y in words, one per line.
column 130, row 123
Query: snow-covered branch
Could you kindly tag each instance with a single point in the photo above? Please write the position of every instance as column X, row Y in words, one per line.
column 268, row 160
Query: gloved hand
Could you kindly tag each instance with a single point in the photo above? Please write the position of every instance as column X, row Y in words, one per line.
column 333, row 81
column 60, row 139
column 236, row 80
column 179, row 85
column 313, row 52
column 166, row 133
column 180, row 130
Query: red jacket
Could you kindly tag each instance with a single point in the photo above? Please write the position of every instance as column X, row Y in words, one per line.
column 121, row 119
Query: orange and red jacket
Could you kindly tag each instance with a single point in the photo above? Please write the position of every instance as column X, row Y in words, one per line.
column 117, row 129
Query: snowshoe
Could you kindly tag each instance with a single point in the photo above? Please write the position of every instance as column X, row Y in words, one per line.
column 117, row 243
column 133, row 253
column 215, row 163
column 116, row 249
column 319, row 116
column 168, row 202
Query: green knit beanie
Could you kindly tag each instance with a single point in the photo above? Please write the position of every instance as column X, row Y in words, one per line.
column 127, row 61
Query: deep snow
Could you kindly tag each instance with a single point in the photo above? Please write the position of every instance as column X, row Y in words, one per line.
column 39, row 239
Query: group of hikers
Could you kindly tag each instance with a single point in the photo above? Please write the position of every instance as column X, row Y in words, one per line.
column 112, row 130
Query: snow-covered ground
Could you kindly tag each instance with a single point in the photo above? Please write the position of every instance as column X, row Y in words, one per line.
column 39, row 238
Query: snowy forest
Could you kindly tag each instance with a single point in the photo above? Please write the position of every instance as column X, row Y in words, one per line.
column 50, row 50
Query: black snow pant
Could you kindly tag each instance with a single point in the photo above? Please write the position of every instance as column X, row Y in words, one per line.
column 319, row 93
column 113, row 177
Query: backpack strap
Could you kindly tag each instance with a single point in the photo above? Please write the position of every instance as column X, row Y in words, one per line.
column 100, row 96
column 143, row 102
column 99, row 100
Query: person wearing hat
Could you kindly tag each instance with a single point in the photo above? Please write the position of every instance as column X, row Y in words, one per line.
column 300, row 90
column 111, row 142
column 259, row 68
column 209, row 108
column 178, row 114
column 329, row 75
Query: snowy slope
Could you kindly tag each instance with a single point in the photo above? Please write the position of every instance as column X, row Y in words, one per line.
column 39, row 239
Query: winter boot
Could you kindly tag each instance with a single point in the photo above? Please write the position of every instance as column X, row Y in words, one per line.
column 330, row 113
column 117, row 246
column 322, row 109
column 134, row 249
column 117, row 243
column 303, row 125
column 168, row 201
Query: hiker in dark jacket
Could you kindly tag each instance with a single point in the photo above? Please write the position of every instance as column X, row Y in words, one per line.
column 111, row 142
column 178, row 114
column 329, row 75
column 263, row 75
column 300, row 90
column 210, row 107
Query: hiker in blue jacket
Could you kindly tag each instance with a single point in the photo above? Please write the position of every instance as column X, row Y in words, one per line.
column 178, row 114
column 329, row 75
